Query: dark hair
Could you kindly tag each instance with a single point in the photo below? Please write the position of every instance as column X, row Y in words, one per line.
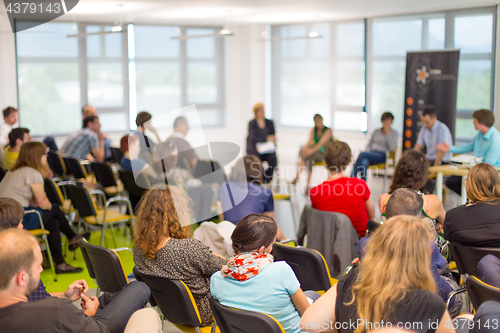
column 404, row 201
column 254, row 231
column 411, row 171
column 251, row 173
column 387, row 115
column 317, row 115
column 485, row 117
column 179, row 120
column 337, row 156
column 429, row 112
column 11, row 213
column 17, row 133
column 8, row 110
column 88, row 119
column 142, row 117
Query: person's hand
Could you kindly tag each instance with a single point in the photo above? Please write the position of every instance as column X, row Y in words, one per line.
column 76, row 289
column 306, row 151
column 439, row 227
column 271, row 138
column 443, row 147
column 100, row 135
column 152, row 130
column 89, row 305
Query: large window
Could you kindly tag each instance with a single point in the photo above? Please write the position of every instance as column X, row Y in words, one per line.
column 390, row 38
column 140, row 68
column 319, row 75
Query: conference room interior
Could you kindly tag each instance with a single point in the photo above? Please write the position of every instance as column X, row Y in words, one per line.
column 213, row 61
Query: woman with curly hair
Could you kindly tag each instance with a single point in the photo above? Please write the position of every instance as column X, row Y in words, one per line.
column 412, row 172
column 393, row 286
column 340, row 193
column 164, row 247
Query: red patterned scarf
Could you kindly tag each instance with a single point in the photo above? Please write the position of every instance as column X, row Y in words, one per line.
column 246, row 265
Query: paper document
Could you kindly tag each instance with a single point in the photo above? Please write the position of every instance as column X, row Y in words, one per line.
column 267, row 147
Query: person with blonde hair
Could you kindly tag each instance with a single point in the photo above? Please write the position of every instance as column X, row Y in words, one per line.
column 260, row 131
column 477, row 223
column 393, row 285
column 24, row 183
column 164, row 247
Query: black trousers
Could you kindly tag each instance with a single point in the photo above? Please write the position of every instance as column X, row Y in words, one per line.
column 55, row 222
column 454, row 183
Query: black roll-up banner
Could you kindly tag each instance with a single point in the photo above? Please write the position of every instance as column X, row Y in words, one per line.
column 431, row 81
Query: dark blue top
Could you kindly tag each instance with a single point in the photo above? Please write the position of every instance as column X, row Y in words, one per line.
column 245, row 199
column 129, row 165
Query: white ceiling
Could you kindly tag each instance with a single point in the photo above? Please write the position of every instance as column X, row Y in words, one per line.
column 220, row 12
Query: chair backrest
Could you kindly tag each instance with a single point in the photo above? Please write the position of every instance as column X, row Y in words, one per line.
column 105, row 267
column 308, row 265
column 131, row 185
column 53, row 192
column 173, row 298
column 56, row 163
column 116, row 154
column 74, row 168
column 104, row 174
column 81, row 200
column 232, row 320
column 467, row 257
column 480, row 292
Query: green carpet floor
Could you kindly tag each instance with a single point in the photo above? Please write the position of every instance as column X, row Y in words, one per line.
column 123, row 239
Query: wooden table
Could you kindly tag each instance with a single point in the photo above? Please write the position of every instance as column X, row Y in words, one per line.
column 449, row 170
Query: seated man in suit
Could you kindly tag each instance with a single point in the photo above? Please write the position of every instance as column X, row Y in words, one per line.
column 20, row 253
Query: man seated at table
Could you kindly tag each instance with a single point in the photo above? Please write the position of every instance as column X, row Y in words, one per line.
column 486, row 144
column 16, row 138
column 431, row 133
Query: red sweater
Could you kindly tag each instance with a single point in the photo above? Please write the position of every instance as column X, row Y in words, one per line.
column 343, row 195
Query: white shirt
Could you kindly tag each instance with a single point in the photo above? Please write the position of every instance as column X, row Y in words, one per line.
column 4, row 133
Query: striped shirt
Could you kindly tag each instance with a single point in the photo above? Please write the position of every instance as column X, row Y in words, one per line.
column 78, row 145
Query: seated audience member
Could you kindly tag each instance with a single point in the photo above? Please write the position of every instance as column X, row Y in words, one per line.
column 261, row 130
column 88, row 110
column 24, row 183
column 489, row 270
column 404, row 201
column 252, row 281
column 129, row 145
column 341, row 194
column 477, row 223
column 87, row 143
column 16, row 138
column 312, row 152
column 394, row 284
column 412, row 172
column 486, row 144
column 10, row 117
column 167, row 157
column 19, row 250
column 382, row 141
column 164, row 247
column 143, row 122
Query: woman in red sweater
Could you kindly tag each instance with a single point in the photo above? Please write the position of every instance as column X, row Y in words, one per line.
column 342, row 194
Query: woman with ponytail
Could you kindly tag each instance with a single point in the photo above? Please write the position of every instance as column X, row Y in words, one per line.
column 164, row 247
column 393, row 287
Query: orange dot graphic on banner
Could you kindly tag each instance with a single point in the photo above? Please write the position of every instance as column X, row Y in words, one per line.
column 408, row 144
column 408, row 122
column 409, row 112
column 409, row 100
column 408, row 133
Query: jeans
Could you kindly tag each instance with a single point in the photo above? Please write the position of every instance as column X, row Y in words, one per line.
column 115, row 309
column 364, row 160
column 488, row 312
column 489, row 270
column 312, row 295
column 55, row 222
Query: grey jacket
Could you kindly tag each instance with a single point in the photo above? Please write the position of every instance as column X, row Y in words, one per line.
column 332, row 234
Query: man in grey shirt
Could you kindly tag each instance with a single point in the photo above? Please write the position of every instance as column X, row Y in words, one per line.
column 382, row 141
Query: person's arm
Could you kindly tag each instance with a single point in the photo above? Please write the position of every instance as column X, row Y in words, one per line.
column 438, row 209
column 419, row 144
column 370, row 208
column 323, row 310
column 445, row 324
column 99, row 151
column 492, row 153
column 306, row 150
column 419, row 147
column 324, row 139
column 252, row 132
column 392, row 141
column 40, row 196
column 439, row 157
column 74, row 291
column 300, row 301
column 89, row 305
column 153, row 130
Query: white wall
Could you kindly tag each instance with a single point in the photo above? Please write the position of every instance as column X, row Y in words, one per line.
column 8, row 82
